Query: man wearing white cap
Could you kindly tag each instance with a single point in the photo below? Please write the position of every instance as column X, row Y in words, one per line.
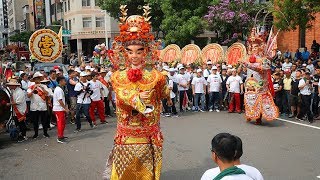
column 207, row 70
column 199, row 90
column 172, row 75
column 235, row 88
column 38, row 94
column 83, row 100
column 214, row 82
column 183, row 81
column 18, row 102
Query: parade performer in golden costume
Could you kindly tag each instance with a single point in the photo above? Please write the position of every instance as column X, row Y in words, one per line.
column 139, row 88
column 259, row 92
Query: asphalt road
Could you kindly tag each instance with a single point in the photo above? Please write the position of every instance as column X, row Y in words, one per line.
column 280, row 150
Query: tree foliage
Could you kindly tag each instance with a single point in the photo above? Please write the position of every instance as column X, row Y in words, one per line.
column 291, row 14
column 134, row 7
column 179, row 21
column 231, row 19
column 183, row 20
column 21, row 37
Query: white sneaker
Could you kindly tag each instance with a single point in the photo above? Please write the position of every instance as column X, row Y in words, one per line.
column 210, row 110
column 52, row 125
column 202, row 110
column 188, row 108
column 40, row 126
column 217, row 110
column 60, row 141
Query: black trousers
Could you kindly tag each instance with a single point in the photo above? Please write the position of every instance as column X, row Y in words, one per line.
column 315, row 104
column 22, row 126
column 35, row 116
column 305, row 107
column 181, row 96
column 107, row 109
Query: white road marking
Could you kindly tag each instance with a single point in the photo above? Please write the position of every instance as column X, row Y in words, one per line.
column 318, row 177
column 301, row 124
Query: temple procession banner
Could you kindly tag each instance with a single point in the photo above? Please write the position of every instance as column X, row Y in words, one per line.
column 45, row 45
column 171, row 53
column 236, row 52
column 214, row 52
column 191, row 53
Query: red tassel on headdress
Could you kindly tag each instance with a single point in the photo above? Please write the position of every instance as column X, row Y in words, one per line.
column 270, row 83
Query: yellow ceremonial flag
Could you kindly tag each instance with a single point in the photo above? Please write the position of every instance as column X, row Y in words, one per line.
column 60, row 33
column 60, row 36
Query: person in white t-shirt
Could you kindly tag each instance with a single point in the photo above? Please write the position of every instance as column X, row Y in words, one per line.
column 38, row 94
column 207, row 70
column 60, row 108
column 214, row 83
column 249, row 170
column 225, row 153
column 199, row 90
column 96, row 99
column 306, row 88
column 83, row 101
column 235, row 88
column 286, row 65
column 183, row 81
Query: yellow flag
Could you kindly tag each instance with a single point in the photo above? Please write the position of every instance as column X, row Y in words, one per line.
column 60, row 36
column 60, row 33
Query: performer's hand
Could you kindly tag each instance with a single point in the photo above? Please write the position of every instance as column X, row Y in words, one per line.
column 169, row 102
column 144, row 95
column 67, row 110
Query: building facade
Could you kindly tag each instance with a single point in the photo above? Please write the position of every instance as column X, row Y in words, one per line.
column 89, row 25
column 15, row 15
column 293, row 40
column 3, row 24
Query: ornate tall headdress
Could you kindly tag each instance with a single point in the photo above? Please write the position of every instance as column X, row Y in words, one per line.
column 134, row 30
column 256, row 37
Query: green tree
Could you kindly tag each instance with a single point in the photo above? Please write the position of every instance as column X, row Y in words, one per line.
column 134, row 7
column 179, row 21
column 183, row 20
column 21, row 37
column 291, row 14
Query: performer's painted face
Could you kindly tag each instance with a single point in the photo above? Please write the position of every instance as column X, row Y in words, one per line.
column 255, row 49
column 135, row 54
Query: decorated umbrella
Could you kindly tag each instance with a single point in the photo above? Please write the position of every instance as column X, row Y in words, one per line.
column 170, row 54
column 191, row 54
column 214, row 52
column 236, row 52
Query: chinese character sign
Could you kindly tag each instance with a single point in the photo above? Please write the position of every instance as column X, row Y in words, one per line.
column 45, row 45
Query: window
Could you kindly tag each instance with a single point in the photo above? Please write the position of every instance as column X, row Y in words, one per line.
column 69, row 5
column 86, row 3
column 65, row 24
column 70, row 25
column 96, row 3
column 86, row 22
column 99, row 21
column 65, row 6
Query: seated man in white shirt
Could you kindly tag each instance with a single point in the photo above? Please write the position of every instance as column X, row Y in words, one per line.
column 249, row 170
column 226, row 151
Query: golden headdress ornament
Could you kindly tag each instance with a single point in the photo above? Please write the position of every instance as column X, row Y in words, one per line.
column 134, row 30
